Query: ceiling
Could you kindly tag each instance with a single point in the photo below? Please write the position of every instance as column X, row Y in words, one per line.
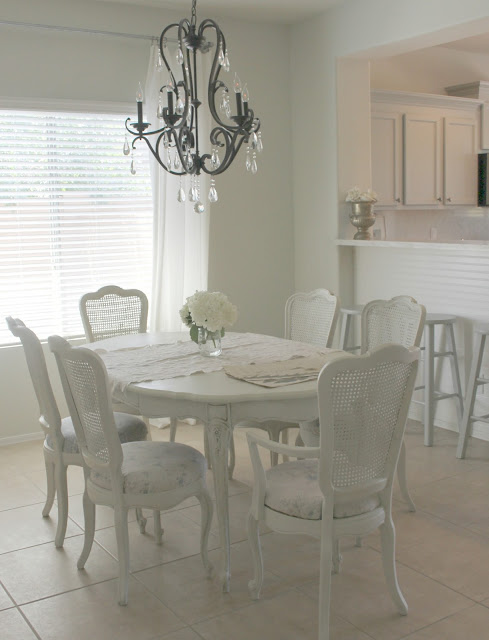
column 277, row 11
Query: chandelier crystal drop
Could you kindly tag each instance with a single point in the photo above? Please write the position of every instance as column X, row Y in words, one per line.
column 178, row 145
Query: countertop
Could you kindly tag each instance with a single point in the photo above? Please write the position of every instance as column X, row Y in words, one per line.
column 465, row 245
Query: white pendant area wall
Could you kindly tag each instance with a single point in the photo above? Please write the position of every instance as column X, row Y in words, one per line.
column 446, row 279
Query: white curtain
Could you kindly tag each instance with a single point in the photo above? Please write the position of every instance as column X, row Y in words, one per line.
column 181, row 236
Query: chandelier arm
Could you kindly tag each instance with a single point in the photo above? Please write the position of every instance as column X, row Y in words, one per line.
column 232, row 144
column 147, row 133
column 214, row 83
column 157, row 156
column 163, row 56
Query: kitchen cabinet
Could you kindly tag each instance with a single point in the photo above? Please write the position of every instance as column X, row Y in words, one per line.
column 423, row 155
column 424, row 150
column 460, row 161
column 387, row 157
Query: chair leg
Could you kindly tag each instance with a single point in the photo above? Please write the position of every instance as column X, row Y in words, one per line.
column 89, row 514
column 158, row 531
column 173, row 429
column 255, row 585
column 325, row 567
column 274, row 435
column 122, row 535
column 402, row 478
column 206, row 510
column 51, row 486
column 429, row 384
column 285, row 440
column 457, row 387
column 148, row 427
column 232, row 458
column 388, row 542
column 141, row 520
column 475, row 368
column 206, row 450
column 337, row 558
column 62, row 496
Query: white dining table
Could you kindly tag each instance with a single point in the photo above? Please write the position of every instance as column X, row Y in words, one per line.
column 217, row 400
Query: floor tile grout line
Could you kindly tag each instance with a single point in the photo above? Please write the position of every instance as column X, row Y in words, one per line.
column 18, row 608
column 425, row 575
column 62, row 593
column 431, row 624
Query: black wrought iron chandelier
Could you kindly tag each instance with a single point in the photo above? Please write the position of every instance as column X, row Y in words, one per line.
column 176, row 143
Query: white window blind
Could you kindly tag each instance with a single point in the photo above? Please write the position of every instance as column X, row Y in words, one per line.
column 72, row 217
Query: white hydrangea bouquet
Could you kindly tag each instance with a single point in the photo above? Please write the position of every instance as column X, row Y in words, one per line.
column 355, row 195
column 210, row 311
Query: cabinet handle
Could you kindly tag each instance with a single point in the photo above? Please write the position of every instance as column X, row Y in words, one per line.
column 449, row 199
column 398, row 199
column 439, row 199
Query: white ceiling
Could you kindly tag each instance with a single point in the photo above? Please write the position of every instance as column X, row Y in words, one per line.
column 278, row 11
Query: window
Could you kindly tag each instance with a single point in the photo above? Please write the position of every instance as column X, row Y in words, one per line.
column 72, row 217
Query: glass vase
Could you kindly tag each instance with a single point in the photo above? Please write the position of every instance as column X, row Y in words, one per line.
column 209, row 342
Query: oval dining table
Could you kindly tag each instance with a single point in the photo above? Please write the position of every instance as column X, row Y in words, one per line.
column 214, row 398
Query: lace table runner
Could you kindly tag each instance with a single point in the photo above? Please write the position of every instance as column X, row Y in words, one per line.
column 164, row 361
column 281, row 374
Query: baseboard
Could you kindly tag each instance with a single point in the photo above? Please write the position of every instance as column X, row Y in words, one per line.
column 25, row 437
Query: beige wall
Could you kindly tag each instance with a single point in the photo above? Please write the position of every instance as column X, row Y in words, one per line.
column 429, row 70
column 251, row 232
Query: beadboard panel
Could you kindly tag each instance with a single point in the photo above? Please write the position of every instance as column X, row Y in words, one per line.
column 454, row 281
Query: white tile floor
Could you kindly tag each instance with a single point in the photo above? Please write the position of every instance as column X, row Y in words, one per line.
column 442, row 551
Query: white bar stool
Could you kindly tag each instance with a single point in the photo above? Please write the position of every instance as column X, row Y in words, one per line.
column 347, row 315
column 475, row 380
column 432, row 395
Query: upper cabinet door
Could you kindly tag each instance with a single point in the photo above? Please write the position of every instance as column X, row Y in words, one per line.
column 423, row 160
column 387, row 158
column 460, row 161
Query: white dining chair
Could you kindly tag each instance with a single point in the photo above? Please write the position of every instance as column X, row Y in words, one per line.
column 343, row 487
column 156, row 475
column 60, row 446
column 112, row 311
column 400, row 320
column 309, row 317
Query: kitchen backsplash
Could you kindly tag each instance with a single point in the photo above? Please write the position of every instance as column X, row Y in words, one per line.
column 455, row 225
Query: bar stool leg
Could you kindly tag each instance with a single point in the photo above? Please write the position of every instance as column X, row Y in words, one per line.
column 429, row 384
column 345, row 331
column 480, row 340
column 457, row 387
column 402, row 478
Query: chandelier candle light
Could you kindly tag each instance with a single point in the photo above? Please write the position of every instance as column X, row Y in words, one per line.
column 208, row 314
column 362, row 214
column 176, row 145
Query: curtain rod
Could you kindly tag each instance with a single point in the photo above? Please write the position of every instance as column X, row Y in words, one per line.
column 96, row 32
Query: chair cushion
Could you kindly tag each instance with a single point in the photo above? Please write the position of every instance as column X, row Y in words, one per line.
column 130, row 429
column 310, row 433
column 155, row 467
column 293, row 489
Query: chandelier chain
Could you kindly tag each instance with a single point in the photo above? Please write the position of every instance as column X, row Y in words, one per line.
column 194, row 13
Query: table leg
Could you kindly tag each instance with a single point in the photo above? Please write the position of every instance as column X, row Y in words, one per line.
column 219, row 434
